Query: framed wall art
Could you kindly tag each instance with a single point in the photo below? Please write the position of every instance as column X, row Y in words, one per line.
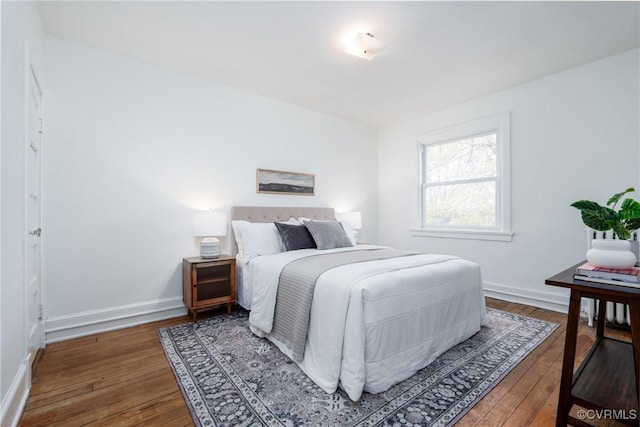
column 282, row 182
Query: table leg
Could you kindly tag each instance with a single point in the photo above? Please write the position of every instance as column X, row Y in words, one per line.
column 229, row 307
column 634, row 314
column 602, row 315
column 568, row 359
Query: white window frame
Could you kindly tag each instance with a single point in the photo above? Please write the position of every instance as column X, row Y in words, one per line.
column 502, row 230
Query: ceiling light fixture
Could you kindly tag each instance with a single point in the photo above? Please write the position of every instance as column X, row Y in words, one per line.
column 364, row 46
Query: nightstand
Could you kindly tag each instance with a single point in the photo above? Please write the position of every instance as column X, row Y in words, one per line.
column 208, row 282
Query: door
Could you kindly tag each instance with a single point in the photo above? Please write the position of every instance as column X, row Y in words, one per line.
column 35, row 328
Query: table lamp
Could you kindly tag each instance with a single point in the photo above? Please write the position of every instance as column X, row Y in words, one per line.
column 208, row 224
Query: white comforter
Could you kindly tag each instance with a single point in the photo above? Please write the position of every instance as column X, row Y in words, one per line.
column 374, row 324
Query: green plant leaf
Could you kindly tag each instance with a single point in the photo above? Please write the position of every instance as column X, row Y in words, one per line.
column 606, row 218
column 632, row 224
column 586, row 205
column 597, row 217
column 616, row 197
column 630, row 209
column 621, row 231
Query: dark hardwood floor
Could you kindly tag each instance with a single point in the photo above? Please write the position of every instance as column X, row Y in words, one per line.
column 123, row 378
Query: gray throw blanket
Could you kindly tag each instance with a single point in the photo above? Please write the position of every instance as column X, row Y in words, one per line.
column 295, row 292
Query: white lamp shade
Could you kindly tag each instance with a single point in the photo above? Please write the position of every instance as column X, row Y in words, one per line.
column 209, row 223
column 354, row 219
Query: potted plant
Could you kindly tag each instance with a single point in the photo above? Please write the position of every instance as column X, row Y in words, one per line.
column 622, row 222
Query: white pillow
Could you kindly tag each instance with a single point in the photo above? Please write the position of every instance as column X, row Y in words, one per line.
column 345, row 225
column 257, row 238
column 237, row 236
column 237, row 232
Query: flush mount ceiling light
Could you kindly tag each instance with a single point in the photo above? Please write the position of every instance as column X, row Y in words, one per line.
column 364, row 45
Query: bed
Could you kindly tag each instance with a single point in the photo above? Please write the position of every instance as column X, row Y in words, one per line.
column 371, row 323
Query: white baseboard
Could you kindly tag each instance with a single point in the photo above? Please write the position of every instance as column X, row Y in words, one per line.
column 60, row 328
column 546, row 300
column 15, row 400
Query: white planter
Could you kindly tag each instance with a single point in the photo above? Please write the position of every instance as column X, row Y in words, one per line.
column 610, row 253
column 635, row 248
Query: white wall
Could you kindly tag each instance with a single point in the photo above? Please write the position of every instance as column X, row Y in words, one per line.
column 20, row 24
column 574, row 135
column 133, row 149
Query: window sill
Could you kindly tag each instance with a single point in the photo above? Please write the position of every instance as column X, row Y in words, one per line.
column 497, row 236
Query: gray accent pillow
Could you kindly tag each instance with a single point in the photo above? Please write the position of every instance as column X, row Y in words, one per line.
column 328, row 234
column 295, row 236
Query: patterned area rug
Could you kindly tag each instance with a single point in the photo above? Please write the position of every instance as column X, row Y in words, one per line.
column 230, row 377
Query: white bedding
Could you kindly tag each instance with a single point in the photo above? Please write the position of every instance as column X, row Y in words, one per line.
column 374, row 324
column 244, row 290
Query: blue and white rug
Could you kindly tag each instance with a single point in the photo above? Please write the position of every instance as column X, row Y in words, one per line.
column 230, row 377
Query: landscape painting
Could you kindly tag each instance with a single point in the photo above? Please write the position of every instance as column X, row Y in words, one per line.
column 281, row 182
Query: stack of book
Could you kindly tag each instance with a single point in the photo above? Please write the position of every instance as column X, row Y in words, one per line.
column 612, row 276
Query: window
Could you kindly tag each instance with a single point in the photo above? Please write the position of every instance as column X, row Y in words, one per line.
column 464, row 188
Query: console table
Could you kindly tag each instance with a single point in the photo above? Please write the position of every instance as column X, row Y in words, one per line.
column 607, row 379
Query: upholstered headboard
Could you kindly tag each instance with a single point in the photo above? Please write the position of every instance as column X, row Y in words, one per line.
column 271, row 213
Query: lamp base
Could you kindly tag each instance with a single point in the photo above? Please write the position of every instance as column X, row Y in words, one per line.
column 209, row 256
column 209, row 248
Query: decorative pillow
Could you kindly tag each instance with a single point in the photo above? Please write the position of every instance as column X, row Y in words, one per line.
column 345, row 225
column 328, row 234
column 257, row 238
column 295, row 236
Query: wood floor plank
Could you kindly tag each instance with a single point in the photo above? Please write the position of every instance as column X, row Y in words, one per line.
column 165, row 409
column 543, row 379
column 496, row 406
column 100, row 404
column 123, row 378
column 65, row 385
